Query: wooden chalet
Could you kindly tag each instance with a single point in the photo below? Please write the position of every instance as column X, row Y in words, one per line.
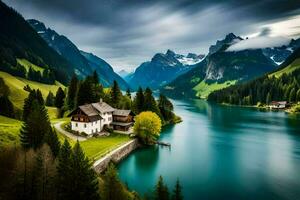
column 122, row 120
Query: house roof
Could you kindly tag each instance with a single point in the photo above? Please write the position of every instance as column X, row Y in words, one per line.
column 279, row 102
column 102, row 107
column 89, row 110
column 122, row 112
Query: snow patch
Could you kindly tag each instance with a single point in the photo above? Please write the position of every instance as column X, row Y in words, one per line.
column 277, row 63
column 39, row 32
column 189, row 61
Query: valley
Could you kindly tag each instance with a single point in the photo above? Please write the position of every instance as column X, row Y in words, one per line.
column 149, row 100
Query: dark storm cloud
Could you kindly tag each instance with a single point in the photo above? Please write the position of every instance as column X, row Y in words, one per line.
column 128, row 32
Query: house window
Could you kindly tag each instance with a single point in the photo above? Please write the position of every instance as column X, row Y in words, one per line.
column 96, row 130
column 109, row 119
column 84, row 125
column 92, row 131
column 76, row 124
column 103, row 120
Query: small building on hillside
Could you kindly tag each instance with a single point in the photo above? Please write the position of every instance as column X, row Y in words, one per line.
column 278, row 104
column 92, row 118
column 122, row 120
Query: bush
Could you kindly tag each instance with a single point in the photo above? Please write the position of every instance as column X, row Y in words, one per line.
column 147, row 127
column 83, row 134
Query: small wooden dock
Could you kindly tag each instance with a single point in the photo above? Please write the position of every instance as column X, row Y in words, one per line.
column 163, row 144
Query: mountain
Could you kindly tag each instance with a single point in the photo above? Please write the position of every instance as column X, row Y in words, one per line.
column 63, row 46
column 281, row 85
column 162, row 69
column 123, row 73
column 105, row 71
column 18, row 40
column 127, row 76
column 220, row 69
column 279, row 54
column 190, row 59
column 230, row 39
column 84, row 63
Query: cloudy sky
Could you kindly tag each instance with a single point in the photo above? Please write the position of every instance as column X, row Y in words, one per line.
column 128, row 32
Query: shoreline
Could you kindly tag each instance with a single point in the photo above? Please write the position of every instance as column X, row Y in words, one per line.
column 116, row 155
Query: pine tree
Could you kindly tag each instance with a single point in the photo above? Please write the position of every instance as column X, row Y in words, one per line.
column 268, row 100
column 64, row 175
column 33, row 95
column 4, row 89
column 72, row 92
column 112, row 188
column 128, row 93
column 95, row 77
column 52, row 140
column 86, row 92
column 298, row 95
column 150, row 103
column 6, row 107
column 39, row 97
column 59, row 98
column 84, row 179
column 292, row 96
column 177, row 192
column 28, row 104
column 139, row 101
column 166, row 107
column 43, row 175
column 35, row 127
column 115, row 94
column 161, row 190
column 50, row 99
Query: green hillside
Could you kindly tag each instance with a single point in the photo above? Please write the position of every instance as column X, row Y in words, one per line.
column 287, row 70
column 203, row 89
column 18, row 94
column 25, row 63
column 9, row 131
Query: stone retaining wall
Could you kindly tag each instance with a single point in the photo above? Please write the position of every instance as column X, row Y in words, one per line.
column 116, row 155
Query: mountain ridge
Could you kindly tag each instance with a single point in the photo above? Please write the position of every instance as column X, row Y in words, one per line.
column 221, row 66
column 18, row 40
column 84, row 63
column 280, row 85
column 161, row 69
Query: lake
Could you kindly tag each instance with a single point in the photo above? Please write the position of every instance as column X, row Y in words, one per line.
column 222, row 152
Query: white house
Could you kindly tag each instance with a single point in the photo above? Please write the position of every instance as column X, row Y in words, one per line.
column 278, row 104
column 91, row 118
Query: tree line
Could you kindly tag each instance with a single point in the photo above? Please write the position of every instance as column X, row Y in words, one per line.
column 262, row 90
column 89, row 90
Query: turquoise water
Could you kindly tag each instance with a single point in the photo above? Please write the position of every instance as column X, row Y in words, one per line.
column 221, row 152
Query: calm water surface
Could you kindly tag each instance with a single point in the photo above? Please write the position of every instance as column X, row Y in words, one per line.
column 221, row 152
